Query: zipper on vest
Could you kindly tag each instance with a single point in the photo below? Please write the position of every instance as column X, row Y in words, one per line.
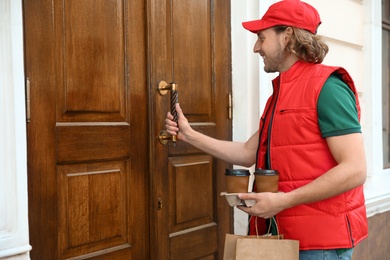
column 268, row 159
column 350, row 231
column 263, row 124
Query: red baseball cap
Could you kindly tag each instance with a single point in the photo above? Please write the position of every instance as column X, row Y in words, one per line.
column 290, row 13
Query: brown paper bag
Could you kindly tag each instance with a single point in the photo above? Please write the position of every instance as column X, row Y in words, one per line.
column 267, row 249
column 260, row 247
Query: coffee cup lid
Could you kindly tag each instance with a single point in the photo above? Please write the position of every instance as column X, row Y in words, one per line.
column 266, row 172
column 237, row 172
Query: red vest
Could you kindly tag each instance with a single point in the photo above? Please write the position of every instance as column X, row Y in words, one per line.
column 300, row 154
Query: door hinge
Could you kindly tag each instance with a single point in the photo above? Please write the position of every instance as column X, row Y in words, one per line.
column 230, row 107
column 28, row 106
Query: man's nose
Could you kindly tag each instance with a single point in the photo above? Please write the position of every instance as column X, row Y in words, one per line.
column 256, row 47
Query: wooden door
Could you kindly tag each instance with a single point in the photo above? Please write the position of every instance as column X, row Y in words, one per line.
column 88, row 137
column 194, row 37
column 100, row 184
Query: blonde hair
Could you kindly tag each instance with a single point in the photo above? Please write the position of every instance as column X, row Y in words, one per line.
column 305, row 45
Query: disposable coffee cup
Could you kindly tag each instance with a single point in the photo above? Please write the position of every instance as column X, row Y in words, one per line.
column 266, row 180
column 237, row 180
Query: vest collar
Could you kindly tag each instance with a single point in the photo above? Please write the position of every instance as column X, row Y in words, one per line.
column 293, row 72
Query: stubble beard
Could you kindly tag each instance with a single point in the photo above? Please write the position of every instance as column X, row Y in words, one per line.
column 274, row 64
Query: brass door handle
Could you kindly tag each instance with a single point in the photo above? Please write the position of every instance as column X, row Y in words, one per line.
column 163, row 88
column 163, row 137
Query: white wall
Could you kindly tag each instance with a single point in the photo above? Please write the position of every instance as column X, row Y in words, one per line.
column 355, row 44
column 14, row 242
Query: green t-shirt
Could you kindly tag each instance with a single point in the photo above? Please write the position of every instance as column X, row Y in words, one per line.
column 337, row 113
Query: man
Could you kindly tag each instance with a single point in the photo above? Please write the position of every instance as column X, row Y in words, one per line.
column 309, row 132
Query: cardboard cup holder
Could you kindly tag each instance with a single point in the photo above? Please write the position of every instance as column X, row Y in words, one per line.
column 234, row 200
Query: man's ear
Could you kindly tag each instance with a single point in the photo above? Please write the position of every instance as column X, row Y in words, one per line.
column 288, row 33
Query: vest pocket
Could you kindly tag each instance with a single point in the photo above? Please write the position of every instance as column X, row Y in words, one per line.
column 295, row 126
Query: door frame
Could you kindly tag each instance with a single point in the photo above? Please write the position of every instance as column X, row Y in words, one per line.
column 14, row 233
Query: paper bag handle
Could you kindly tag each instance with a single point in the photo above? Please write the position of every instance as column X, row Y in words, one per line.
column 269, row 226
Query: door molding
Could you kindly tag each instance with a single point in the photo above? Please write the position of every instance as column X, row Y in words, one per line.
column 13, row 153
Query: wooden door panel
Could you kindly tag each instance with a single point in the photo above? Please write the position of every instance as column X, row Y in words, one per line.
column 201, row 243
column 77, row 142
column 94, row 55
column 192, row 211
column 191, row 181
column 192, row 37
column 92, row 208
column 91, row 60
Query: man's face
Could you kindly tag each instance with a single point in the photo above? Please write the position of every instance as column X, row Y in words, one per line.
column 271, row 48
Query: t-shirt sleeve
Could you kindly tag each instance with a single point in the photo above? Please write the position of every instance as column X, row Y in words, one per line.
column 337, row 112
